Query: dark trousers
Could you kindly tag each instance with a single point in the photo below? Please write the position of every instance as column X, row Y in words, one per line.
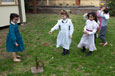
column 103, row 34
column 95, row 38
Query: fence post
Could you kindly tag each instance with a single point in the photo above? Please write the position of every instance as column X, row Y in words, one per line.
column 34, row 7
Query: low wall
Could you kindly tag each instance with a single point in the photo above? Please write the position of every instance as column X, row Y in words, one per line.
column 55, row 10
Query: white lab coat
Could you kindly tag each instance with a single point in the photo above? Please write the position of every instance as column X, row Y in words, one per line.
column 87, row 41
column 66, row 30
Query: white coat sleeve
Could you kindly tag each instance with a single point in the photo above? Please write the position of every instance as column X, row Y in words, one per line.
column 85, row 25
column 85, row 17
column 84, row 28
column 71, row 28
column 56, row 27
column 107, row 16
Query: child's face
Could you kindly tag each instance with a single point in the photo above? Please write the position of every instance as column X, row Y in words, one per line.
column 91, row 17
column 63, row 17
column 15, row 20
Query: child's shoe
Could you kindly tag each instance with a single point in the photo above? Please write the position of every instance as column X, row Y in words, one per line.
column 83, row 50
column 88, row 54
column 64, row 52
column 67, row 52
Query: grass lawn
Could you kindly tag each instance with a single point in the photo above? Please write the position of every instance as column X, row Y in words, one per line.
column 35, row 34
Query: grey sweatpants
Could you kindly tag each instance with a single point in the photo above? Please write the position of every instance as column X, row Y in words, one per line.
column 103, row 34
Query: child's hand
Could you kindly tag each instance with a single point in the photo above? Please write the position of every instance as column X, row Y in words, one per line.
column 50, row 32
column 70, row 36
column 103, row 8
column 17, row 45
column 86, row 32
column 98, row 29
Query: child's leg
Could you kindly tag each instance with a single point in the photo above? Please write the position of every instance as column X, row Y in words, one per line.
column 103, row 34
column 95, row 37
column 64, row 52
column 15, row 57
column 97, row 33
column 83, row 49
column 67, row 52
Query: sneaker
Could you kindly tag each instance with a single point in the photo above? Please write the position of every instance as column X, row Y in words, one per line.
column 88, row 54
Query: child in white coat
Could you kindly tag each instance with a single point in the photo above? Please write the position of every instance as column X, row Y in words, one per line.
column 85, row 16
column 65, row 34
column 87, row 40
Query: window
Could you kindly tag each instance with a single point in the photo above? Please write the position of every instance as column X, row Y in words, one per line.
column 8, row 2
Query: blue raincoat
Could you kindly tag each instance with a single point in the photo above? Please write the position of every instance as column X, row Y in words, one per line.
column 13, row 38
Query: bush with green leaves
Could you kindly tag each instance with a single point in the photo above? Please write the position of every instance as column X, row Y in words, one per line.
column 111, row 5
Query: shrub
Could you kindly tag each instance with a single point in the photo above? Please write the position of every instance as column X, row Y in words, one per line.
column 111, row 5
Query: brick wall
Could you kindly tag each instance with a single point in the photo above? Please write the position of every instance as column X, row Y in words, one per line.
column 58, row 2
column 90, row 2
column 69, row 2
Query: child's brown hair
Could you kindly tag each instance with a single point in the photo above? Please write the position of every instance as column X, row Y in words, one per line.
column 64, row 12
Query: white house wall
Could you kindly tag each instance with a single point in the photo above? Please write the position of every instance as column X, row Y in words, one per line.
column 5, row 12
column 23, row 10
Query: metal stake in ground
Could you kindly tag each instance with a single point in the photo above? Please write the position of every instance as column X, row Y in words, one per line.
column 38, row 68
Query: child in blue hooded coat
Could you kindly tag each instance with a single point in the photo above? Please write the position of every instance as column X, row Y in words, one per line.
column 14, row 41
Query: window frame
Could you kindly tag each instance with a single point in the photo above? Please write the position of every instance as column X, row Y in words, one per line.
column 8, row 3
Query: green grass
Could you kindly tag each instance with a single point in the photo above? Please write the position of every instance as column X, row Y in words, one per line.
column 35, row 34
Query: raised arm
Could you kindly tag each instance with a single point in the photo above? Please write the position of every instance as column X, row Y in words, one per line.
column 106, row 16
column 85, row 16
column 84, row 28
column 56, row 27
column 85, row 25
